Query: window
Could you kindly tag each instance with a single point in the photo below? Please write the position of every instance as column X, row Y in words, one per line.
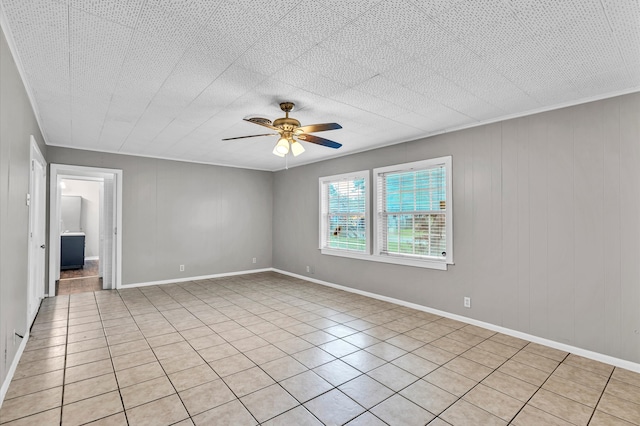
column 413, row 221
column 344, row 214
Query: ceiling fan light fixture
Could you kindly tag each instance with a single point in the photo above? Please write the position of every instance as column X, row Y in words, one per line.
column 289, row 128
column 282, row 147
column 296, row 148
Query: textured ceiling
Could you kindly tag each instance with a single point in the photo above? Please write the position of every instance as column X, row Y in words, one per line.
column 171, row 78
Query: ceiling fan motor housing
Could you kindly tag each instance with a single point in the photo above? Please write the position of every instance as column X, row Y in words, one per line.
column 287, row 124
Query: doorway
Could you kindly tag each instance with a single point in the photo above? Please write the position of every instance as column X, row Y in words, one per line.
column 85, row 223
column 81, row 211
column 37, row 201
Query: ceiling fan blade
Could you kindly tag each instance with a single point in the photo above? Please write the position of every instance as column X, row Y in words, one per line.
column 251, row 136
column 312, row 128
column 318, row 140
column 265, row 122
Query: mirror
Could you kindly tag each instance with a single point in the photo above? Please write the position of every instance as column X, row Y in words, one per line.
column 71, row 211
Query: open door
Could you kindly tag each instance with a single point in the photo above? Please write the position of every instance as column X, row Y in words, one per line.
column 109, row 231
column 37, row 231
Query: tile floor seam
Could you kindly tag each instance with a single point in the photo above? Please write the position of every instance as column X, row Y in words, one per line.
column 299, row 403
column 480, row 382
column 278, row 383
column 221, row 378
column 124, row 410
column 163, row 369
column 110, row 359
column 79, row 278
column 540, row 387
column 282, row 387
column 595, row 407
column 443, row 366
column 64, row 368
column 510, row 358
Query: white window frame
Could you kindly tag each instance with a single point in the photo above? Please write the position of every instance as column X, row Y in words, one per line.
column 377, row 238
column 323, row 210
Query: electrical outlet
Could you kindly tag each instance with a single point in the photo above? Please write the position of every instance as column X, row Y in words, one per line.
column 308, row 268
column 254, row 260
column 181, row 268
column 467, row 302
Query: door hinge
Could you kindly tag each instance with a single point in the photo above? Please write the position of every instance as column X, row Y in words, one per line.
column 28, row 199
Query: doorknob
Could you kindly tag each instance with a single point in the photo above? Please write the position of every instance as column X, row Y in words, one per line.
column 42, row 246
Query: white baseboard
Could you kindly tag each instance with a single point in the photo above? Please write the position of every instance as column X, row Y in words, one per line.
column 201, row 277
column 622, row 363
column 92, row 258
column 12, row 369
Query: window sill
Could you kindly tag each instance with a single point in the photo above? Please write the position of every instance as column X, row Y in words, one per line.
column 346, row 253
column 429, row 264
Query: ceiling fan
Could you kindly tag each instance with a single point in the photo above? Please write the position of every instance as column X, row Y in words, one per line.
column 291, row 133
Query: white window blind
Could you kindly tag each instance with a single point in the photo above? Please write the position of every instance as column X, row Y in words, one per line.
column 413, row 211
column 344, row 201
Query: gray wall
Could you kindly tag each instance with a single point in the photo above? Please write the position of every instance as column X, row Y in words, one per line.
column 17, row 123
column 211, row 219
column 546, row 226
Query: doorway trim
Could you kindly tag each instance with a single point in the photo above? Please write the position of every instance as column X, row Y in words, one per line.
column 37, row 232
column 57, row 172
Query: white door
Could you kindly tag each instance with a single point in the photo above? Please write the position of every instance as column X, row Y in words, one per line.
column 37, row 237
column 101, row 233
column 108, row 226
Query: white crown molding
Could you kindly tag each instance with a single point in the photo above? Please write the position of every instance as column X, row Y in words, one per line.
column 157, row 157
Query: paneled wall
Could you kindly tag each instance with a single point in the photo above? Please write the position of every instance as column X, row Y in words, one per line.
column 17, row 123
column 211, row 219
column 546, row 226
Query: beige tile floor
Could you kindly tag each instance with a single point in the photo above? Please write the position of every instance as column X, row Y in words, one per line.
column 273, row 350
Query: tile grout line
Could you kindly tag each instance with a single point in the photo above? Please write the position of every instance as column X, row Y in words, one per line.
column 537, row 390
column 362, row 372
column 66, row 349
column 300, row 404
column 154, row 354
column 258, row 366
column 595, row 407
column 205, row 361
column 443, row 366
column 106, row 338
